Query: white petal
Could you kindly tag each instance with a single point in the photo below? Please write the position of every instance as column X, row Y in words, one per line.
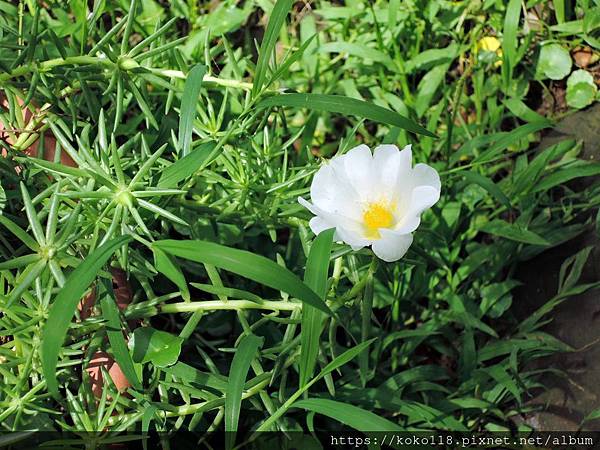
column 318, row 224
column 358, row 165
column 409, row 223
column 392, row 246
column 389, row 166
column 424, row 175
column 346, row 229
column 422, row 198
column 406, row 157
column 332, row 191
column 386, row 163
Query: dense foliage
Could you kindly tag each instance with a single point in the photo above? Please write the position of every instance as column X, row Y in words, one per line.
column 139, row 136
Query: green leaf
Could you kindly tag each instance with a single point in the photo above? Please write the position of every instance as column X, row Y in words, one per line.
column 161, row 212
column 581, row 89
column 237, row 378
column 350, row 415
column 428, row 86
column 339, row 361
column 347, row 106
column 111, row 314
column 559, row 10
column 25, row 279
column 513, row 232
column 157, row 347
column 507, row 139
column 574, row 265
column 554, row 62
column 595, row 414
column 509, row 35
column 561, row 176
column 228, row 292
column 358, row 50
column 522, row 111
column 57, row 168
column 62, row 310
column 189, row 101
column 526, row 179
column 315, row 277
column 285, row 65
column 504, row 379
column 19, row 233
column 345, row 357
column 143, row 104
column 276, row 20
column 168, row 268
column 488, row 185
column 34, row 221
column 255, row 267
column 191, row 375
column 186, row 166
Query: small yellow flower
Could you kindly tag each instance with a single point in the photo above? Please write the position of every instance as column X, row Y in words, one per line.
column 373, row 199
column 493, row 45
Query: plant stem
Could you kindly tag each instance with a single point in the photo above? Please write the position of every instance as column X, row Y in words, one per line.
column 186, row 410
column 207, row 79
column 97, row 60
column 236, row 305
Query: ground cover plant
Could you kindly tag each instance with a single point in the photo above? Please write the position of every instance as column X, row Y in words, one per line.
column 158, row 273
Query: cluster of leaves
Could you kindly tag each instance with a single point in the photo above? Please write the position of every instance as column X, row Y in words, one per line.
column 168, row 144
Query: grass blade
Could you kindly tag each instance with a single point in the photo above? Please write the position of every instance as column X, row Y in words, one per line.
column 110, row 312
column 278, row 15
column 513, row 232
column 315, row 276
column 168, row 268
column 347, row 106
column 344, row 358
column 350, row 415
column 502, row 144
column 584, row 169
column 237, row 378
column 61, row 311
column 186, row 166
column 189, row 101
column 246, row 264
column 488, row 185
column 509, row 38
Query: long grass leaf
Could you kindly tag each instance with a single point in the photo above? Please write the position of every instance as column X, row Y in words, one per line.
column 189, row 101
column 347, row 106
column 110, row 312
column 350, row 415
column 63, row 308
column 237, row 378
column 315, row 276
column 278, row 15
column 246, row 264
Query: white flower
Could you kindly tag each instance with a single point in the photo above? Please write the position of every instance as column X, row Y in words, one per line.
column 373, row 199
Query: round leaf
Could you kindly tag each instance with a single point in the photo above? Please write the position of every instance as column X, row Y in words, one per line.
column 581, row 89
column 150, row 345
column 554, row 62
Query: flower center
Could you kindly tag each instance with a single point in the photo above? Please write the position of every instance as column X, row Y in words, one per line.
column 377, row 215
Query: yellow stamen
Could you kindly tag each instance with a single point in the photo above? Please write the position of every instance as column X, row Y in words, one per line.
column 376, row 216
